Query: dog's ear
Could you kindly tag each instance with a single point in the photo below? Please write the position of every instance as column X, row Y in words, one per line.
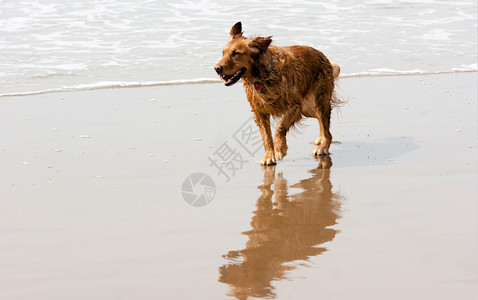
column 259, row 44
column 236, row 30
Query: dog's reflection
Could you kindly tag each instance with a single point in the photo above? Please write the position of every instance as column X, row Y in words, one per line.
column 289, row 229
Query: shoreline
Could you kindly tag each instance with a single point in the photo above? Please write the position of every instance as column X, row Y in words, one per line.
column 122, row 85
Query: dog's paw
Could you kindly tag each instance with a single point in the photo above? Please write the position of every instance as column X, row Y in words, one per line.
column 268, row 159
column 280, row 148
column 323, row 145
column 320, row 151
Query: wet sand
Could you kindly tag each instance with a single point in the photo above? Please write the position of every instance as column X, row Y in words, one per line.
column 92, row 207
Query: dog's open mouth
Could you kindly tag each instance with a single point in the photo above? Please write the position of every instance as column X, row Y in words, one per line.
column 231, row 79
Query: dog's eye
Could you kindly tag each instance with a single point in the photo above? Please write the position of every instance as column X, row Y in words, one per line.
column 235, row 53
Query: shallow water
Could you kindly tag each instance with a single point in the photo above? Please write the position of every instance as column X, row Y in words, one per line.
column 50, row 44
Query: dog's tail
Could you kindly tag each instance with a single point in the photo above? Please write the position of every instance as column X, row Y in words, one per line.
column 336, row 69
column 335, row 101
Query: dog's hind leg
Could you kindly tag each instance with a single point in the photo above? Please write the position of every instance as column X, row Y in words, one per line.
column 292, row 116
column 264, row 124
column 325, row 137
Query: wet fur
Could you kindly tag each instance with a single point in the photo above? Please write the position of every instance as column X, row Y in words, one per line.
column 295, row 82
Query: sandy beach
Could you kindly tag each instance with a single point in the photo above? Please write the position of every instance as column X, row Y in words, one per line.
column 92, row 204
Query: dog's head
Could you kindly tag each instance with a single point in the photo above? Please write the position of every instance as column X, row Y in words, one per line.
column 240, row 55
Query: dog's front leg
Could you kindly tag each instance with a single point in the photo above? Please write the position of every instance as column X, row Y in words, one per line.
column 292, row 116
column 264, row 124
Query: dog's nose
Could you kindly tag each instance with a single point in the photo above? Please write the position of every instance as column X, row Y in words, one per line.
column 218, row 69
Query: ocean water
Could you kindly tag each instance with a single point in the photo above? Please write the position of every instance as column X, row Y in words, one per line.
column 56, row 45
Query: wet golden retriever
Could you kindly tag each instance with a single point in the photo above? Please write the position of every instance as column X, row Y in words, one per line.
column 287, row 82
